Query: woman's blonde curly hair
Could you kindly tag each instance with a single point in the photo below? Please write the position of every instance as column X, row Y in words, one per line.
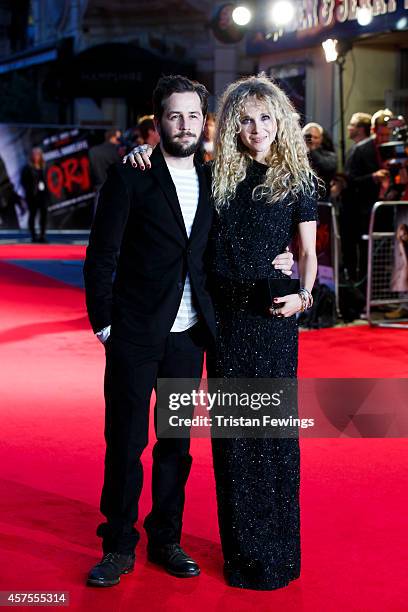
column 289, row 174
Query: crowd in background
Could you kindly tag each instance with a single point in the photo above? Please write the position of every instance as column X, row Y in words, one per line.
column 364, row 180
column 367, row 177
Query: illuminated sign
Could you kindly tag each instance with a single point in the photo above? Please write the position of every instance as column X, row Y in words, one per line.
column 316, row 20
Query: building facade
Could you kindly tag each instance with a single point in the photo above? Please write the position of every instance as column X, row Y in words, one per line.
column 375, row 66
column 96, row 61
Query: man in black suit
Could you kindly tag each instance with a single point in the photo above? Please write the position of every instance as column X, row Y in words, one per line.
column 155, row 319
column 366, row 176
column 359, row 129
column 102, row 156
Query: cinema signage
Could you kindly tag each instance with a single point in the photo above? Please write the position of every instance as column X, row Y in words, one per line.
column 317, row 20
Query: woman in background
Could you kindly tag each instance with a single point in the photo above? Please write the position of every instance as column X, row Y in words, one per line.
column 36, row 194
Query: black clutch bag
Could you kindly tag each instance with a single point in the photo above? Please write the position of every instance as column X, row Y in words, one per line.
column 266, row 289
column 255, row 297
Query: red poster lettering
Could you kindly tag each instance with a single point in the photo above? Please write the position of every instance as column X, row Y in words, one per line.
column 85, row 173
column 75, row 172
column 55, row 180
column 71, row 172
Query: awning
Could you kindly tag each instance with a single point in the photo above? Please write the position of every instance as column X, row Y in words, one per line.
column 117, row 70
column 29, row 58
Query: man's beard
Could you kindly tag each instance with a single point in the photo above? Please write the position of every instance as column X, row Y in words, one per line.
column 177, row 149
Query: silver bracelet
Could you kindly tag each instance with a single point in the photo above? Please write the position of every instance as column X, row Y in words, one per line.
column 306, row 297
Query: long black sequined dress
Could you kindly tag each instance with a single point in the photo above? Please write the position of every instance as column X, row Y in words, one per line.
column 257, row 480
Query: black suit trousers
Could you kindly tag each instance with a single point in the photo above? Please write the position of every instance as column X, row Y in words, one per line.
column 130, row 376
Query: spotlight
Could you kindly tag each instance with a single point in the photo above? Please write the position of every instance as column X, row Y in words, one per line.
column 282, row 12
column 330, row 49
column 364, row 15
column 402, row 23
column 241, row 15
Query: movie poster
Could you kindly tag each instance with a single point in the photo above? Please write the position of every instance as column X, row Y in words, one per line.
column 399, row 278
column 68, row 178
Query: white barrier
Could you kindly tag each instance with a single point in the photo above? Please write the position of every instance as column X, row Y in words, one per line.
column 381, row 261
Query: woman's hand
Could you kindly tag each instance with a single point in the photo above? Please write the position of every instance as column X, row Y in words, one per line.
column 139, row 157
column 293, row 304
column 284, row 261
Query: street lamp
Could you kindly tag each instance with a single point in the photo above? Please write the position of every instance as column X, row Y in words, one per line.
column 330, row 49
column 335, row 51
column 241, row 15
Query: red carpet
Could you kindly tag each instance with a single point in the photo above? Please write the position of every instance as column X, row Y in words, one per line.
column 354, row 492
column 42, row 251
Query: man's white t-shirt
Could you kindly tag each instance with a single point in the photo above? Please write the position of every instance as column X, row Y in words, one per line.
column 188, row 190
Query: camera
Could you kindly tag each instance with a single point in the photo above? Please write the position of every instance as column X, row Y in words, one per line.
column 394, row 156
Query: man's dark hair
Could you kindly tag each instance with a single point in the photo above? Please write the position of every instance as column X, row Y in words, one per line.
column 110, row 133
column 145, row 125
column 168, row 85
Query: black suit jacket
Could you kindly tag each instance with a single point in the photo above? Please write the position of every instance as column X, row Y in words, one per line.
column 139, row 233
column 362, row 162
column 101, row 157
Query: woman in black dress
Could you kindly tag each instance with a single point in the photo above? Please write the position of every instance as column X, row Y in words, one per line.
column 264, row 192
column 36, row 193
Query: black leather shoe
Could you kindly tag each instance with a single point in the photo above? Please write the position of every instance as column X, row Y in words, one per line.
column 107, row 572
column 174, row 560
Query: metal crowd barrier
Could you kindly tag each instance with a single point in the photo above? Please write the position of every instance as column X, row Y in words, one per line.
column 334, row 248
column 381, row 256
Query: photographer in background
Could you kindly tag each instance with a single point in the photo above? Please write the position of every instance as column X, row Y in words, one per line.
column 323, row 161
column 368, row 181
column 359, row 129
column 365, row 170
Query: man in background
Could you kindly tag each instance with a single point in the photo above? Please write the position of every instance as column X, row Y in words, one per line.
column 359, row 129
column 148, row 132
column 368, row 182
column 323, row 162
column 102, row 156
column 207, row 144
